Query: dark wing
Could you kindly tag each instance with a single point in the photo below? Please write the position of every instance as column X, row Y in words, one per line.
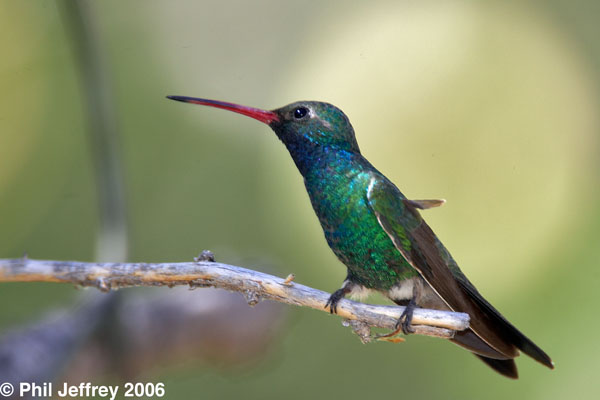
column 417, row 243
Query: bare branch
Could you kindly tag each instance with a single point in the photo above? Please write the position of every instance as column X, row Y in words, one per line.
column 253, row 285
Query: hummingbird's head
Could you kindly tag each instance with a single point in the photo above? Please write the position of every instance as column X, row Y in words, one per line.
column 301, row 126
column 313, row 123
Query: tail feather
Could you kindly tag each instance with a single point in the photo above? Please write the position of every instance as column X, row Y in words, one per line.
column 470, row 341
column 507, row 368
column 491, row 357
column 506, row 329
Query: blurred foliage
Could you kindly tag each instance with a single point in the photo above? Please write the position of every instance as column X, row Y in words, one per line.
column 491, row 105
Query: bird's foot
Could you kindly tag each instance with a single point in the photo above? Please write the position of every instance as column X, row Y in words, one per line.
column 404, row 322
column 334, row 299
column 403, row 325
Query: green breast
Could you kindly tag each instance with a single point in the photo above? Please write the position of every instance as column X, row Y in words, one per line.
column 338, row 192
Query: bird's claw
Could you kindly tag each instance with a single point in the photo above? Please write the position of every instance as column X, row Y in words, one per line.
column 405, row 320
column 404, row 325
column 332, row 309
column 334, row 299
column 332, row 304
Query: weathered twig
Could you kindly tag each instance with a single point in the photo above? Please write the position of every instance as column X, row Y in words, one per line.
column 205, row 273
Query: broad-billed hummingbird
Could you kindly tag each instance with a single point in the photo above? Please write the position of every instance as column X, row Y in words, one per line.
column 379, row 234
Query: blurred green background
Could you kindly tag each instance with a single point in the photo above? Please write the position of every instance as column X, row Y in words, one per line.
column 491, row 105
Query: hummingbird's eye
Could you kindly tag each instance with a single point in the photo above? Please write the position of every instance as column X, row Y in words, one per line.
column 300, row 112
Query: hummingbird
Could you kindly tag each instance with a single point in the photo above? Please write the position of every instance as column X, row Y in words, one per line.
column 380, row 235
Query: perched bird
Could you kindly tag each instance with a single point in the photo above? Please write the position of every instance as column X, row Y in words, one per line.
column 379, row 234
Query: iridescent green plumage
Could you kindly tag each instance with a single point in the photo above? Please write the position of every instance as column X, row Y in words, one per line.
column 379, row 235
column 338, row 195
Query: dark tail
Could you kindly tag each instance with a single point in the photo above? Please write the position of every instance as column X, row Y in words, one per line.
column 506, row 329
column 508, row 368
column 437, row 267
column 497, row 361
